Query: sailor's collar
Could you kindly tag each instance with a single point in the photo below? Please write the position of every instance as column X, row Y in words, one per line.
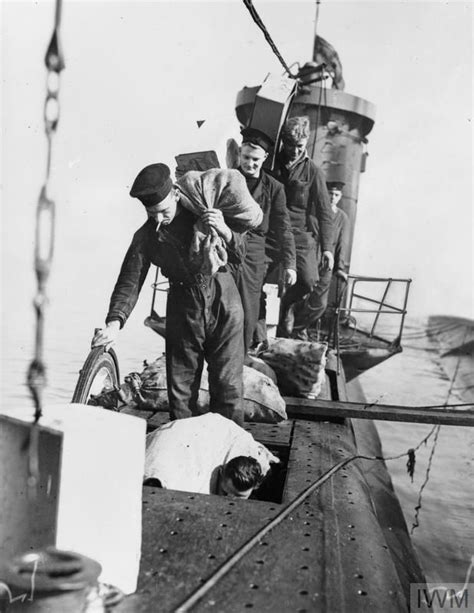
column 289, row 165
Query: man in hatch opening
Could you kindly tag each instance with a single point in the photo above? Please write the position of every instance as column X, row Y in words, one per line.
column 204, row 316
column 208, row 454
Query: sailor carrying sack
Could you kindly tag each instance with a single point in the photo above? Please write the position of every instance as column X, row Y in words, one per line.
column 223, row 189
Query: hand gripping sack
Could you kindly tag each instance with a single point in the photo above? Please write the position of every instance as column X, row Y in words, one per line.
column 222, row 189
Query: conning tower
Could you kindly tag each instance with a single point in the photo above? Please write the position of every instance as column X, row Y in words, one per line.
column 340, row 123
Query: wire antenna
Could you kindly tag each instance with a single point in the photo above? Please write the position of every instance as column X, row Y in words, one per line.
column 316, row 21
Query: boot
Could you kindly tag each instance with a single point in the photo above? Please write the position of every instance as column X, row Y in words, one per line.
column 286, row 321
column 300, row 334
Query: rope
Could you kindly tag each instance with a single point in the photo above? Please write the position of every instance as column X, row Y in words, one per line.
column 261, row 25
column 416, row 521
column 44, row 246
column 235, row 558
column 248, row 545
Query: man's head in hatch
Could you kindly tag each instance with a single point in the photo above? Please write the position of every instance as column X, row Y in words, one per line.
column 239, row 477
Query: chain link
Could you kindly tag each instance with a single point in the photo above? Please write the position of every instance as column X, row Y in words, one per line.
column 44, row 246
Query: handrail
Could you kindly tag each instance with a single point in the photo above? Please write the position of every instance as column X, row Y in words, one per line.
column 353, row 310
column 367, row 278
column 383, row 307
column 390, row 306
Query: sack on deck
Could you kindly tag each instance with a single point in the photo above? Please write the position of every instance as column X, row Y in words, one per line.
column 262, row 401
column 298, row 365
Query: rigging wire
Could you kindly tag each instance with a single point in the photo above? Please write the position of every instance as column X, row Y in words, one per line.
column 261, row 25
column 224, row 569
column 416, row 521
column 239, row 553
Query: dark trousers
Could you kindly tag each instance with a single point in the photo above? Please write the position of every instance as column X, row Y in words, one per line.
column 310, row 310
column 307, row 276
column 204, row 322
column 249, row 280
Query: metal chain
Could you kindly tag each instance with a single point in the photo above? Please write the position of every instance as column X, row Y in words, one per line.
column 44, row 244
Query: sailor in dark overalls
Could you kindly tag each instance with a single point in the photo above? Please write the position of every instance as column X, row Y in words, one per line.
column 312, row 308
column 270, row 195
column 204, row 318
column 310, row 214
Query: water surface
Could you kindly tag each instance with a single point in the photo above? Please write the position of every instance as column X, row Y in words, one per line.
column 423, row 375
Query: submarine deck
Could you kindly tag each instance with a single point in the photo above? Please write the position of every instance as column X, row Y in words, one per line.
column 330, row 554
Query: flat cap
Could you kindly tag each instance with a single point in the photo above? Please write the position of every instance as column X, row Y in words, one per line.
column 335, row 185
column 258, row 138
column 152, row 184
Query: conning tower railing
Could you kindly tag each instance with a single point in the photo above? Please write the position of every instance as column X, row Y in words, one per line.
column 355, row 316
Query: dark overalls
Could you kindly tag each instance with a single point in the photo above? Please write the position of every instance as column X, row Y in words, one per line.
column 204, row 318
column 249, row 277
column 311, row 217
column 311, row 309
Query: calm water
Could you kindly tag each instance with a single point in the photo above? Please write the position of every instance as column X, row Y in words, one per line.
column 444, row 538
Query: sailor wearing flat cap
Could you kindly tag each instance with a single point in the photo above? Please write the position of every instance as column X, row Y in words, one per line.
column 310, row 213
column 335, row 186
column 270, row 195
column 203, row 315
column 152, row 184
column 257, row 138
